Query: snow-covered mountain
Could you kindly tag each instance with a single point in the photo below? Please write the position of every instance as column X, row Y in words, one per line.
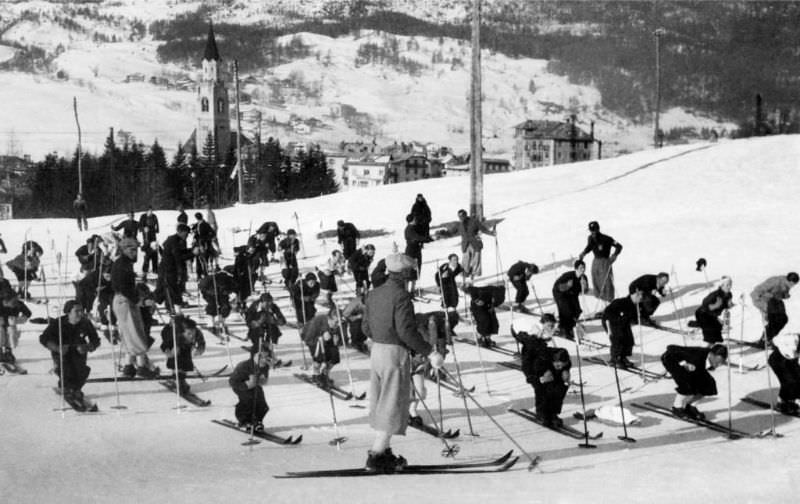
column 103, row 57
column 733, row 203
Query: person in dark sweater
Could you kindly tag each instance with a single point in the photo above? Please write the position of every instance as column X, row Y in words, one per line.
column 77, row 338
column 90, row 254
column 347, row 236
column 190, row 342
column 768, row 297
column 422, row 215
column 204, row 237
column 270, row 230
column 446, row 280
column 289, row 247
column 148, row 225
column 414, row 243
column 519, row 274
column 127, row 308
column 263, row 318
column 483, row 303
column 247, row 381
column 566, row 292
column 617, row 319
column 707, row 316
column 216, row 289
column 359, row 265
column 129, row 227
column 602, row 274
column 390, row 325
column 304, row 293
column 432, row 326
column 689, row 368
column 652, row 287
column 172, row 272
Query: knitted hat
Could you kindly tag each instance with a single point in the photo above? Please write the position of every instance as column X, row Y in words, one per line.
column 396, row 263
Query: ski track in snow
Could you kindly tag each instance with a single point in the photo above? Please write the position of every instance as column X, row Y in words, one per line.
column 730, row 202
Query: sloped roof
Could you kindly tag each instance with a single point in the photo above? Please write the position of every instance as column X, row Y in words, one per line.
column 211, row 52
column 551, row 130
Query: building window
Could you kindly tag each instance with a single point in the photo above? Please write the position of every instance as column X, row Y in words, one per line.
column 366, row 172
column 220, row 105
column 204, row 105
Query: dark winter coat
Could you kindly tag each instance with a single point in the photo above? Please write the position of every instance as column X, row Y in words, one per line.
column 647, row 284
column 601, row 245
column 414, row 243
column 517, row 271
column 185, row 348
column 389, row 317
column 215, row 288
column 89, row 259
column 446, row 279
column 264, row 321
column 148, row 224
column 697, row 382
column 304, row 298
column 129, row 227
column 123, row 278
column 173, row 258
column 241, row 374
column 483, row 301
column 77, row 340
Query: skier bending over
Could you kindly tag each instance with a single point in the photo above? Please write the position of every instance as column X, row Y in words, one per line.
column 688, row 367
column 190, row 343
column 247, row 382
column 784, row 362
column 713, row 306
column 322, row 337
column 768, row 297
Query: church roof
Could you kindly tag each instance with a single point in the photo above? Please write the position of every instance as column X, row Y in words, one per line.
column 211, row 52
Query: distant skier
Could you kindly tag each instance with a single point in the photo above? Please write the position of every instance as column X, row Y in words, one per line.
column 321, row 334
column 446, row 280
column 618, row 317
column 182, row 217
column 347, row 236
column 148, row 225
column 688, row 367
column 80, row 207
column 422, row 215
column 304, row 292
column 602, row 273
column 652, row 287
column 471, row 244
column 69, row 338
column 359, row 263
column 247, row 382
column 270, row 230
column 264, row 319
column 190, row 343
column 566, row 293
column 519, row 274
column 713, row 306
column 768, row 297
column 784, row 362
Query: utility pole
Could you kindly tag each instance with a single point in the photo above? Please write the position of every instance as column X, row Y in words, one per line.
column 476, row 128
column 656, row 136
column 239, row 161
column 80, row 154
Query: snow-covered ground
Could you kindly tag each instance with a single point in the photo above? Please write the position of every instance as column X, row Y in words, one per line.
column 733, row 203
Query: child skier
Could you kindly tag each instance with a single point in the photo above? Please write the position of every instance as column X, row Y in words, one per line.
column 247, row 382
column 189, row 338
column 263, row 318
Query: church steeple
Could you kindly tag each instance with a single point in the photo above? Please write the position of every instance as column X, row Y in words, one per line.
column 211, row 52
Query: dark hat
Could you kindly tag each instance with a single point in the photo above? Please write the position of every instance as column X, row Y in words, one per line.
column 594, row 226
column 69, row 305
column 792, row 277
column 548, row 318
column 182, row 228
column 369, row 246
column 291, row 232
column 340, row 223
column 701, row 264
column 311, row 276
column 534, row 268
column 198, row 215
column 266, row 297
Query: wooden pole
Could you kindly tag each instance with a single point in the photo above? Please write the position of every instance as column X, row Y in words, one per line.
column 80, row 154
column 476, row 128
column 239, row 161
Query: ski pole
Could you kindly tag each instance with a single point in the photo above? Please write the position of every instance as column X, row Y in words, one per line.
column 346, row 351
column 178, row 406
column 677, row 315
column 113, row 360
column 741, row 336
column 213, row 317
column 462, row 391
column 480, row 357
column 534, row 460
column 338, row 440
column 585, row 443
column 302, row 323
column 641, row 339
column 730, row 392
column 772, row 431
column 624, row 437
column 448, row 451
column 299, row 234
column 60, row 339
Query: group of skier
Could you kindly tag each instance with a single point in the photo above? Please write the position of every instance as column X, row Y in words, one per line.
column 379, row 318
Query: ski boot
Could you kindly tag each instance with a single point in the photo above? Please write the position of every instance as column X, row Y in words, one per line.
column 415, row 420
column 128, row 371
column 258, row 427
column 147, row 372
column 694, row 413
column 788, row 408
column 7, row 356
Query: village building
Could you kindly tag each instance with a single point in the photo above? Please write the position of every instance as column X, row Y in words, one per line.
column 547, row 143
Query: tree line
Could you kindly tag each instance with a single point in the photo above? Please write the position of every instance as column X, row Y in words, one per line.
column 129, row 176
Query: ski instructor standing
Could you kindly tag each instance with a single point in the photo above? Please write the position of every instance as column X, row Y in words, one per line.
column 390, row 323
column 602, row 274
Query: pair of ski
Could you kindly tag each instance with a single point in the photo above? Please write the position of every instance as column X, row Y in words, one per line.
column 188, row 396
column 708, row 424
column 107, row 379
column 433, row 431
column 649, row 375
column 499, row 464
column 334, row 390
column 12, row 368
column 563, row 429
column 493, row 348
column 268, row 436
column 453, row 387
column 80, row 405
